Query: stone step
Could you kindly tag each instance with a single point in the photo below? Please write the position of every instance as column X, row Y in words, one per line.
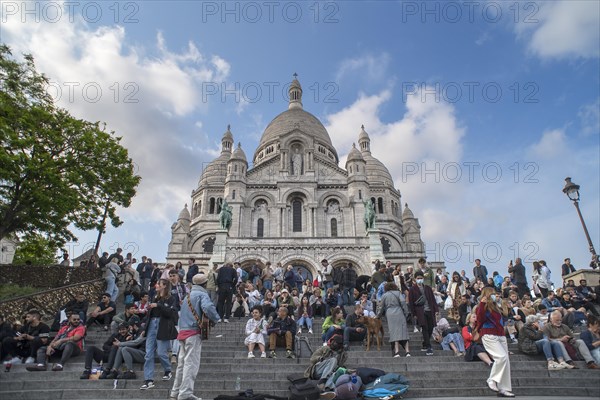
column 162, row 390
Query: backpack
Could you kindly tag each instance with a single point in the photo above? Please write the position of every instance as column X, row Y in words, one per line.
column 390, row 384
column 303, row 389
column 347, row 387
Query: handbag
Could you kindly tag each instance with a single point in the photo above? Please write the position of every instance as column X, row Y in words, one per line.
column 202, row 322
column 448, row 304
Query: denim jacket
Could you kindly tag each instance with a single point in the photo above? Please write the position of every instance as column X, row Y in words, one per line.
column 202, row 304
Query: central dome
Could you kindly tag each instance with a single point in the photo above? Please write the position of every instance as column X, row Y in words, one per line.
column 295, row 118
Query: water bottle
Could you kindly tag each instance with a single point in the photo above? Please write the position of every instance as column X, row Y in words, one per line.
column 238, row 383
column 354, row 379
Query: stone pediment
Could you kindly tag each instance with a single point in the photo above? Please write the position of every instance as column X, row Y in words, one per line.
column 328, row 173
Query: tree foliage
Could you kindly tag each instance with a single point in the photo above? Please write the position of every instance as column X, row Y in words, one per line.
column 36, row 250
column 55, row 169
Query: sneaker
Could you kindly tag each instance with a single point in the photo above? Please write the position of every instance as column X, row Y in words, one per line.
column 505, row 393
column 407, row 354
column 492, row 385
column 272, row 354
column 327, row 395
column 219, row 321
column 416, row 330
column 167, row 376
column 592, row 365
column 127, row 375
column 290, row 354
column 572, row 364
column 147, row 385
column 104, row 374
column 263, row 355
column 310, row 331
column 173, row 359
column 16, row 361
column 250, row 354
column 113, row 374
column 396, row 355
column 429, row 352
column 423, row 348
column 37, row 367
column 566, row 365
column 106, row 328
column 30, row 360
column 324, row 344
column 299, row 330
column 554, row 366
column 226, row 320
column 57, row 368
column 86, row 374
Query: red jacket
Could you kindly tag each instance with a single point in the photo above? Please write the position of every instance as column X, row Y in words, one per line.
column 489, row 323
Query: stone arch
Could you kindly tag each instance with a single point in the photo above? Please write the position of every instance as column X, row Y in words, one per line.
column 288, row 194
column 250, row 200
column 306, row 261
column 247, row 258
column 396, row 240
column 330, row 194
column 359, row 263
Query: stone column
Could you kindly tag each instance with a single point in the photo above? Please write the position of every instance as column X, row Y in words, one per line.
column 375, row 247
column 218, row 256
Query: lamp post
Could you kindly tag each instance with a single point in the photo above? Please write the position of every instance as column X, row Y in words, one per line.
column 572, row 191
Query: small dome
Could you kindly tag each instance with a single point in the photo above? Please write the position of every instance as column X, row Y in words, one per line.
column 184, row 214
column 407, row 213
column 228, row 135
column 238, row 154
column 215, row 172
column 354, row 154
column 363, row 135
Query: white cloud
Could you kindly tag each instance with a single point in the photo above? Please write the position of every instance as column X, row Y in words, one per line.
column 562, row 29
column 375, row 67
column 553, row 143
column 145, row 92
column 589, row 117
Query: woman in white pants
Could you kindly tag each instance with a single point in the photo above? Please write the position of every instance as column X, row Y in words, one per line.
column 491, row 329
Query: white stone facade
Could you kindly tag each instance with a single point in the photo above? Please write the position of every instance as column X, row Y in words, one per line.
column 295, row 204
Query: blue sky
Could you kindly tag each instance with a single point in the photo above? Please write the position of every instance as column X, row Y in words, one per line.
column 506, row 94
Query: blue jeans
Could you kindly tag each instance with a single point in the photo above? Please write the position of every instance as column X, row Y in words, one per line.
column 327, row 285
column 158, row 347
column 549, row 347
column 302, row 320
column 268, row 285
column 111, row 288
column 348, row 296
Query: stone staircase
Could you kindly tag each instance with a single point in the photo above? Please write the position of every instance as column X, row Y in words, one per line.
column 224, row 358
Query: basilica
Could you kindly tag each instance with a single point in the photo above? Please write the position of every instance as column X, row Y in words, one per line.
column 294, row 204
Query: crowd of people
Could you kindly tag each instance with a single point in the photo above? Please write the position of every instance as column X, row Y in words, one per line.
column 161, row 317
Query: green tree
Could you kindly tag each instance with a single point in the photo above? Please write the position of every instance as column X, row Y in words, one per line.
column 35, row 249
column 55, row 169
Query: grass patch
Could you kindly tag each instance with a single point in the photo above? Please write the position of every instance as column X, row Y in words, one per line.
column 9, row 291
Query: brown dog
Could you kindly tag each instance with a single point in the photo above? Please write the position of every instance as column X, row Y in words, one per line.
column 374, row 329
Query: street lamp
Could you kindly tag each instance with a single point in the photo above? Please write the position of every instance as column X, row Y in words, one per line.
column 572, row 191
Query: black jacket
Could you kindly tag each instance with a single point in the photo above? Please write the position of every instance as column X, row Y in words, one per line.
column 192, row 270
column 167, row 325
column 226, row 278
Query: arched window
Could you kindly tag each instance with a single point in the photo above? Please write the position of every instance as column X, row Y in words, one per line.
column 393, row 208
column 199, row 208
column 360, row 194
column 211, row 207
column 233, row 195
column 334, row 232
column 260, row 227
column 296, row 215
column 380, row 205
column 219, row 204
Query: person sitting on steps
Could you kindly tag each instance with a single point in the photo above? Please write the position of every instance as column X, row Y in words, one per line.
column 282, row 330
